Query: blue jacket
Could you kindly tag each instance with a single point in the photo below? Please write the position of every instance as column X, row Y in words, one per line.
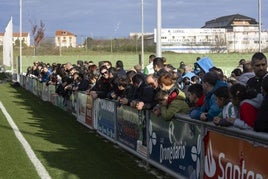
column 45, row 76
column 210, row 105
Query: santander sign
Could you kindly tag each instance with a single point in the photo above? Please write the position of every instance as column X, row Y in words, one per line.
column 218, row 165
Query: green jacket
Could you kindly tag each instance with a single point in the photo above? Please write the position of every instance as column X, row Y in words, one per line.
column 178, row 105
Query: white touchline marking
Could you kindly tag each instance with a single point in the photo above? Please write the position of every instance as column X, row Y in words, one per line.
column 42, row 172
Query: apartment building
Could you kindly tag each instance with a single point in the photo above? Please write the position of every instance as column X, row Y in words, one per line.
column 25, row 37
column 232, row 33
column 65, row 39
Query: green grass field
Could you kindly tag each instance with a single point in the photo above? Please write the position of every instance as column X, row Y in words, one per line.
column 225, row 61
column 13, row 159
column 66, row 148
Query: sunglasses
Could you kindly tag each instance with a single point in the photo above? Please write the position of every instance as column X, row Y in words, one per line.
column 105, row 72
column 151, row 84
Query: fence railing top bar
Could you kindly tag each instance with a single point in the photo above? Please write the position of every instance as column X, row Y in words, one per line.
column 251, row 135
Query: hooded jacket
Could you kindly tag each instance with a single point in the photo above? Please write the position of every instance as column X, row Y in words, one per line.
column 210, row 105
column 245, row 77
column 177, row 105
column 248, row 110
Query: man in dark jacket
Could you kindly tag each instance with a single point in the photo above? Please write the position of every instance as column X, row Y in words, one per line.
column 143, row 94
column 102, row 87
column 259, row 65
column 261, row 123
column 80, row 83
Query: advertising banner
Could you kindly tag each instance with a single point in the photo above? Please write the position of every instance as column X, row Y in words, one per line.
column 32, row 82
column 24, row 81
column 21, row 81
column 230, row 157
column 39, row 88
column 52, row 91
column 131, row 129
column 34, row 86
column 72, row 104
column 176, row 145
column 89, row 112
column 27, row 85
column 81, row 107
column 60, row 102
column 106, row 118
column 45, row 92
column 95, row 112
column 53, row 99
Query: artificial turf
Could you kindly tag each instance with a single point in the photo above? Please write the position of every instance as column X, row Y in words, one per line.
column 66, row 148
column 14, row 162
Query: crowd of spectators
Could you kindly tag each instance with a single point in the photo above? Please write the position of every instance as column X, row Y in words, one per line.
column 203, row 92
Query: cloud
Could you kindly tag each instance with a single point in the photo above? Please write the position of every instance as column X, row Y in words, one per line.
column 83, row 17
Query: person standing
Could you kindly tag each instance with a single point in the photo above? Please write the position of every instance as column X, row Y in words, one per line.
column 143, row 94
column 102, row 87
column 120, row 68
column 248, row 103
column 196, row 98
column 210, row 82
column 247, row 73
column 228, row 110
column 261, row 122
column 149, row 69
column 259, row 65
column 158, row 65
column 152, row 81
column 171, row 99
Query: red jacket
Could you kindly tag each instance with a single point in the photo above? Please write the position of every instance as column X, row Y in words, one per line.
column 248, row 113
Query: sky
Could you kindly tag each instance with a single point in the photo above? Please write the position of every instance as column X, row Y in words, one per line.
column 118, row 18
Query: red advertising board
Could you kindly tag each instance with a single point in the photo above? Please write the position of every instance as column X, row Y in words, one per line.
column 230, row 157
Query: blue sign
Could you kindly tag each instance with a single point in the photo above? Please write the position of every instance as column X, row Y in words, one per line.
column 106, row 118
column 128, row 129
column 175, row 145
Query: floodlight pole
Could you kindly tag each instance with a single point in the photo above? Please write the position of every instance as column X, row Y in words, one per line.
column 259, row 16
column 142, row 36
column 158, row 31
column 20, row 60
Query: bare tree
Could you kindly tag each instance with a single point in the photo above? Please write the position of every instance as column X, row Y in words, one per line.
column 38, row 33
